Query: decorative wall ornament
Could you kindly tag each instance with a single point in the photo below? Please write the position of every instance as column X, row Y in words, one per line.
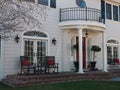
column 81, row 3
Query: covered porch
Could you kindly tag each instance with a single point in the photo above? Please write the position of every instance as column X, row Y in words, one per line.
column 85, row 36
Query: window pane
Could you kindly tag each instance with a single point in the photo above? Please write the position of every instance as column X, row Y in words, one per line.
column 113, row 41
column 30, row 0
column 43, row 2
column 115, row 13
column 35, row 33
column 109, row 55
column 108, row 11
column 53, row 3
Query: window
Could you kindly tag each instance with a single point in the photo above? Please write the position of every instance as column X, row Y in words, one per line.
column 103, row 8
column 43, row 2
column 112, row 50
column 108, row 11
column 115, row 13
column 0, row 47
column 53, row 3
column 119, row 13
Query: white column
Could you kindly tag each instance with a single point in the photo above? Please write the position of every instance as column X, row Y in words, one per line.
column 104, row 52
column 80, row 51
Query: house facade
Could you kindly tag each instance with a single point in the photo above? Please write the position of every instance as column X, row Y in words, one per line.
column 67, row 23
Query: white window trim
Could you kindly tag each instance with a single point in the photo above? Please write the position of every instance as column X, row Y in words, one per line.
column 1, row 60
column 116, row 45
column 112, row 11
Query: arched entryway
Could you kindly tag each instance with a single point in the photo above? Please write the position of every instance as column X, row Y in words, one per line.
column 35, row 46
column 112, row 50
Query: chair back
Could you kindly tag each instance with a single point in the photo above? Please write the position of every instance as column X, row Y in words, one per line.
column 116, row 60
column 50, row 60
column 24, row 61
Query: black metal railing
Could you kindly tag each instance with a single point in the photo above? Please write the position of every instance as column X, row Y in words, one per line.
column 76, row 13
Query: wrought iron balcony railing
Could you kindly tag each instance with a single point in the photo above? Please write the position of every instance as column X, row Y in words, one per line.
column 86, row 14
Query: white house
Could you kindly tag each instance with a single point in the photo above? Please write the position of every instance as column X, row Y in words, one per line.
column 69, row 22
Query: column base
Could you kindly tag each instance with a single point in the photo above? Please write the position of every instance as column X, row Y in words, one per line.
column 80, row 72
column 105, row 70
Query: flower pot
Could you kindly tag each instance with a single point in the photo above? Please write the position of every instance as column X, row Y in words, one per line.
column 76, row 64
column 93, row 64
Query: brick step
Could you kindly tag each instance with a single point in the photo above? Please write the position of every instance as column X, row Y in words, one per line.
column 21, row 80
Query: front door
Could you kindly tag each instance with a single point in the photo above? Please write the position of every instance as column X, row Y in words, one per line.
column 35, row 50
column 84, row 51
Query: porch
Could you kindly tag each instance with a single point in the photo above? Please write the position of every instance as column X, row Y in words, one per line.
column 27, row 80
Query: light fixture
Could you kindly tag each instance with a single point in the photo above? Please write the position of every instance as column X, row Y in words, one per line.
column 54, row 41
column 86, row 33
column 17, row 38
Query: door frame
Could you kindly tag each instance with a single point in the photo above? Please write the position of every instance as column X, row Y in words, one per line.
column 85, row 58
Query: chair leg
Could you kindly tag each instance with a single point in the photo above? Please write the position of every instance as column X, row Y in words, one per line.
column 28, row 71
column 34, row 70
column 57, row 69
column 21, row 71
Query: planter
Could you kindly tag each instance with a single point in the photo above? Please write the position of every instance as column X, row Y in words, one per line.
column 76, row 64
column 93, row 65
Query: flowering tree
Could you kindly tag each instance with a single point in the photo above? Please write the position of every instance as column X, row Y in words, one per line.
column 15, row 15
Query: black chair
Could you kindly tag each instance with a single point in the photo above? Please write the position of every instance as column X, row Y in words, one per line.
column 51, row 66
column 26, row 68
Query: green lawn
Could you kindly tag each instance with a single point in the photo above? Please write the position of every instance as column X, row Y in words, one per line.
column 82, row 85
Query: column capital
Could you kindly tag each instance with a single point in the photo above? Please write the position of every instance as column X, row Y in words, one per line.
column 81, row 27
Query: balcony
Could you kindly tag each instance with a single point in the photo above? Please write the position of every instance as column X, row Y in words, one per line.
column 81, row 14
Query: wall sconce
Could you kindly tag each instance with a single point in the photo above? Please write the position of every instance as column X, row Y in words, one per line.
column 17, row 38
column 86, row 33
column 54, row 41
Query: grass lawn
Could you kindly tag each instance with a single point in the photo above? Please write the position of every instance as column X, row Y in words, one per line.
column 81, row 85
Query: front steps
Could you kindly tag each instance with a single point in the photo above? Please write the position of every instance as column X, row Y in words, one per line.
column 28, row 80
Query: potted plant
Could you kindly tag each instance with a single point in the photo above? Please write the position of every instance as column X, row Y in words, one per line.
column 95, row 49
column 76, row 46
column 76, row 63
